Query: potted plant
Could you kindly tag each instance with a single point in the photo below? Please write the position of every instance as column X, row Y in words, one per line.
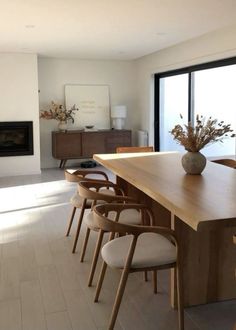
column 195, row 137
column 59, row 113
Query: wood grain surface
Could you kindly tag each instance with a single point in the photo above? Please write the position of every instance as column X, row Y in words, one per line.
column 195, row 199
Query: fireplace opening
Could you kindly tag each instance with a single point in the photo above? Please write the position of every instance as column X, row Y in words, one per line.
column 16, row 138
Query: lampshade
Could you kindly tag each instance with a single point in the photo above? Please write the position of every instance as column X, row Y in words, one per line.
column 118, row 111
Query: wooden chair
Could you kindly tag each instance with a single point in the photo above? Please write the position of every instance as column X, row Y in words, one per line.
column 134, row 149
column 144, row 248
column 226, row 162
column 76, row 201
column 96, row 192
column 78, row 175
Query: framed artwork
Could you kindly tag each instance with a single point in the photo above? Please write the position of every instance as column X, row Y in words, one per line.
column 93, row 103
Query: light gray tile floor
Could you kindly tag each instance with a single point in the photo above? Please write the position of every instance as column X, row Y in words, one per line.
column 44, row 286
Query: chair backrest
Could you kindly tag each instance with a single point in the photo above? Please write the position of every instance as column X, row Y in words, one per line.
column 226, row 162
column 80, row 175
column 102, row 220
column 134, row 149
column 92, row 190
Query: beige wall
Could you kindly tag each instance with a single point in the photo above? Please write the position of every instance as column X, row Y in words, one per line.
column 213, row 46
column 19, row 102
column 54, row 74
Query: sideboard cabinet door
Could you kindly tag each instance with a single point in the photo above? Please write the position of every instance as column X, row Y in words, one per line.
column 66, row 145
column 117, row 139
column 93, row 143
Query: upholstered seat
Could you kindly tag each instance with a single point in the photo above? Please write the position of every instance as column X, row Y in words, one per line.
column 131, row 217
column 151, row 250
column 77, row 201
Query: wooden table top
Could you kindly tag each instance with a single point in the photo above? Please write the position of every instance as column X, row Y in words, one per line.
column 195, row 199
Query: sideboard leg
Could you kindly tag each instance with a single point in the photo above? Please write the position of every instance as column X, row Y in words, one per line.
column 64, row 163
column 61, row 162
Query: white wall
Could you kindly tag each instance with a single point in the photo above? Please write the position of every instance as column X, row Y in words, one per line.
column 19, row 102
column 54, row 74
column 131, row 83
column 213, row 46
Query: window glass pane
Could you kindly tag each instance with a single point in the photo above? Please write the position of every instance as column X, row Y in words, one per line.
column 173, row 102
column 214, row 95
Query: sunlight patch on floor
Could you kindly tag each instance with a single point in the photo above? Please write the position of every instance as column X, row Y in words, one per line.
column 31, row 196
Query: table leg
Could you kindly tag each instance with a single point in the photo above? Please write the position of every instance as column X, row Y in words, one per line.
column 208, row 261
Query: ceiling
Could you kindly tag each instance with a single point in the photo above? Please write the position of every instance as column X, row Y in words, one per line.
column 107, row 29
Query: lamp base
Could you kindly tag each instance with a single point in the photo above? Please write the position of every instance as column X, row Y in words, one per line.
column 118, row 123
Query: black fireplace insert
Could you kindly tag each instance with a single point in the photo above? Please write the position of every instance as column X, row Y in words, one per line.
column 16, row 138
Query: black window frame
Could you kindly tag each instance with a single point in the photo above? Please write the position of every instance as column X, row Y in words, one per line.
column 190, row 71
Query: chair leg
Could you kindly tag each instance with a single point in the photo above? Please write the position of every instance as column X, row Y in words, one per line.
column 102, row 273
column 85, row 244
column 180, row 297
column 79, row 226
column 100, row 281
column 71, row 221
column 118, row 299
column 95, row 257
column 154, row 274
column 122, row 283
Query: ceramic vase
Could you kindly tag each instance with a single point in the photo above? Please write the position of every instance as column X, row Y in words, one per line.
column 62, row 126
column 193, row 162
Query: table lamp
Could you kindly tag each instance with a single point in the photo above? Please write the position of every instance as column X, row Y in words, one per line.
column 118, row 114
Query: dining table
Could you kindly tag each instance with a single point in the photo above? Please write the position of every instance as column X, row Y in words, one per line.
column 201, row 209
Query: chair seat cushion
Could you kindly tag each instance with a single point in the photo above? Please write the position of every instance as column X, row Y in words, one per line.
column 151, row 250
column 77, row 201
column 88, row 220
column 131, row 217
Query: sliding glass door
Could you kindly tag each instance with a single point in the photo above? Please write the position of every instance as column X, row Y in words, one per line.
column 215, row 96
column 207, row 90
column 174, row 100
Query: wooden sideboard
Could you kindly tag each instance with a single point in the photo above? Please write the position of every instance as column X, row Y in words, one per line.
column 83, row 144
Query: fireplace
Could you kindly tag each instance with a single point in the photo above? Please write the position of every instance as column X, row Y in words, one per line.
column 16, row 138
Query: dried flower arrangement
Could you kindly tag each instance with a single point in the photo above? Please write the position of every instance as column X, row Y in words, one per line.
column 59, row 112
column 195, row 138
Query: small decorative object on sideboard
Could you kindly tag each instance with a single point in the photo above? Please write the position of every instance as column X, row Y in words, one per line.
column 118, row 115
column 195, row 137
column 60, row 113
column 89, row 127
